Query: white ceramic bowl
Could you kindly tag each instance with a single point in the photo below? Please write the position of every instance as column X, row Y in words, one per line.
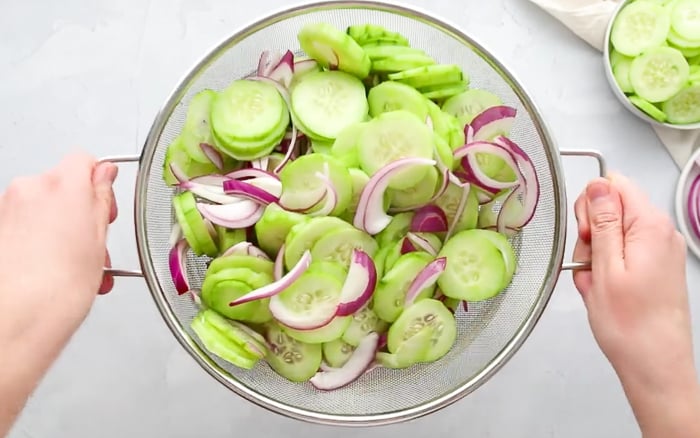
column 690, row 172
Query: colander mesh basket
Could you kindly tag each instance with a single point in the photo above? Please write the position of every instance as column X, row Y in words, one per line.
column 488, row 334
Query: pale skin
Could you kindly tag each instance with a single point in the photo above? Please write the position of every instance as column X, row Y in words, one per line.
column 635, row 294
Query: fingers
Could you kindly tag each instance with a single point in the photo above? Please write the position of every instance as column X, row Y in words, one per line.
column 605, row 217
column 103, row 178
column 581, row 212
column 107, row 280
column 583, row 279
column 635, row 203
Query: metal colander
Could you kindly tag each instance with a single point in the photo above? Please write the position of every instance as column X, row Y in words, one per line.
column 488, row 334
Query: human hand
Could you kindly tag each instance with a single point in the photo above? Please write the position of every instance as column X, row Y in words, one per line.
column 636, row 294
column 53, row 228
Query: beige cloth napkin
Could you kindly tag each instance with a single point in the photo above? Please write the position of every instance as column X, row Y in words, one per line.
column 589, row 20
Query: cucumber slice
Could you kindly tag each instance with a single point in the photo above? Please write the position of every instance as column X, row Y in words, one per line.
column 337, row 353
column 333, row 48
column 409, row 353
column 449, row 202
column 430, row 316
column 444, row 152
column 325, row 102
column 305, row 235
column 380, row 259
column 197, row 129
column 328, row 333
column 398, row 63
column 363, row 323
column 300, row 181
column 321, row 146
column 475, row 269
column 616, row 57
column 392, row 136
column 648, row 108
column 193, row 226
column 331, row 268
column 309, row 300
column 640, row 26
column 678, row 41
column 222, row 287
column 694, row 76
column 218, row 344
column 444, row 91
column 274, row 225
column 429, row 76
column 684, row 107
column 393, row 255
column 359, row 181
column 387, row 51
column 469, row 104
column 250, row 341
column 621, row 72
column 659, row 73
column 227, row 237
column 397, row 229
column 457, row 136
column 391, row 96
column 295, row 361
column 256, row 264
column 685, row 18
column 418, row 194
column 500, row 241
column 175, row 154
column 344, row 147
column 248, row 119
column 368, row 33
column 337, row 245
column 391, row 290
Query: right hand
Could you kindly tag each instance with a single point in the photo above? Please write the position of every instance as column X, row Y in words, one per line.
column 635, row 293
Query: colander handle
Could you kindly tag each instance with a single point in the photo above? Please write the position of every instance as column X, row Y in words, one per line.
column 603, row 170
column 112, row 271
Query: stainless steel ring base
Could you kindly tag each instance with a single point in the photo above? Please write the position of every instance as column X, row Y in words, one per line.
column 489, row 334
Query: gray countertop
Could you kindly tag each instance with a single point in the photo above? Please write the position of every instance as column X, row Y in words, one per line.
column 94, row 74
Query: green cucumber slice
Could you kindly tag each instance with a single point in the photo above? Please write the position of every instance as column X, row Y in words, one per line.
column 247, row 339
column 470, row 103
column 295, row 361
column 363, row 323
column 218, row 344
column 197, row 129
column 391, row 96
column 393, row 255
column 397, row 229
column 678, row 41
column 321, row 146
column 621, row 72
column 368, row 33
column 694, row 75
column 430, row 75
column 222, row 287
column 685, row 19
column 344, row 147
column 380, row 259
column 273, row 227
column 313, row 294
column 648, row 108
column 427, row 315
column 684, row 107
column 640, row 26
column 616, row 57
column 328, row 333
column 325, row 102
column 475, row 269
column 228, row 238
column 392, row 136
column 391, row 290
column 235, row 261
column 387, row 51
column 659, row 73
column 303, row 237
column 500, row 241
column 337, row 353
column 444, row 91
column 449, row 202
column 193, row 226
column 418, row 194
column 176, row 154
column 335, row 269
column 333, row 48
column 398, row 63
column 249, row 118
column 359, row 181
column 301, row 180
column 444, row 152
column 337, row 245
column 409, row 353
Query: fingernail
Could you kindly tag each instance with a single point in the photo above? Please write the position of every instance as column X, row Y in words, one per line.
column 597, row 191
column 105, row 173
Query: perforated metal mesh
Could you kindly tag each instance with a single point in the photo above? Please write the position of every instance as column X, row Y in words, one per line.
column 488, row 333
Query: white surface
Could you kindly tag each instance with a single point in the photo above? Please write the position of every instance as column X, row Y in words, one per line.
column 95, row 73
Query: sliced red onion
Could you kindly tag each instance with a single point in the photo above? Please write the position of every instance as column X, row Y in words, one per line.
column 210, row 180
column 238, row 215
column 468, row 134
column 195, row 295
column 429, row 219
column 305, row 65
column 211, row 193
column 426, row 278
column 210, row 228
column 370, row 215
column 284, row 70
column 465, row 306
column 312, row 199
column 359, row 285
column 175, row 235
column 178, row 270
column 482, row 196
column 492, row 122
column 290, row 151
column 249, row 191
column 516, row 213
column 325, row 367
column 468, row 156
column 694, row 206
column 361, row 359
column 383, row 340
column 331, row 198
column 263, row 62
column 279, row 263
column 213, row 155
column 278, row 286
column 242, row 174
column 466, row 188
column 413, row 242
column 260, row 163
column 271, row 185
column 246, row 248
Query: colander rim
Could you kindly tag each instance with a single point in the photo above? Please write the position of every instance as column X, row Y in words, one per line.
column 289, row 411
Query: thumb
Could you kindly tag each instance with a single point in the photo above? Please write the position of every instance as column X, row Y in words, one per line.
column 605, row 218
column 103, row 178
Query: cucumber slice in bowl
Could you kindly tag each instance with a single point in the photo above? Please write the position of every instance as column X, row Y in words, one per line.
column 659, row 73
column 309, row 303
column 221, row 345
column 640, row 25
column 685, row 18
column 391, row 96
column 334, row 49
column 328, row 333
column 648, row 108
column 684, row 107
column 294, row 360
column 337, row 353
